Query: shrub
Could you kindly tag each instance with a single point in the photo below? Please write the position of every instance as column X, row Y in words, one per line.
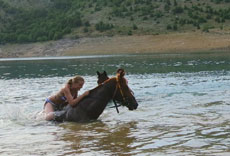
column 178, row 10
column 101, row 26
column 169, row 27
column 135, row 27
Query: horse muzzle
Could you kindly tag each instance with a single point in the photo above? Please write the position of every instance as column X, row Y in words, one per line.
column 131, row 103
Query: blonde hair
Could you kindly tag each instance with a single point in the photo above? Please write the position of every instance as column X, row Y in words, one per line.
column 75, row 79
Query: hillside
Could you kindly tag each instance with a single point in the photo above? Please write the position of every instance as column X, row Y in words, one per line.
column 27, row 21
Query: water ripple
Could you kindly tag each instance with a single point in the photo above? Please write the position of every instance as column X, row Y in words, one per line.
column 180, row 112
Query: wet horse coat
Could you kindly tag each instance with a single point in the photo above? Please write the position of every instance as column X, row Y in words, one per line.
column 92, row 106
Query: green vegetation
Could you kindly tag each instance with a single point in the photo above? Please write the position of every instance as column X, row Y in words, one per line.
column 40, row 24
column 41, row 20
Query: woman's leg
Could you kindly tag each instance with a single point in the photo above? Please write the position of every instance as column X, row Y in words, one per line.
column 49, row 111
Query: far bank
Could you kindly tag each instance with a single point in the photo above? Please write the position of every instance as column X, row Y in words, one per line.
column 190, row 42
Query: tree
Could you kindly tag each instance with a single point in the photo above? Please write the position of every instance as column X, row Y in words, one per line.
column 135, row 27
column 178, row 10
column 169, row 27
column 101, row 26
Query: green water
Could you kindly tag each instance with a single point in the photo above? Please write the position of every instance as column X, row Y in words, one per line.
column 183, row 108
column 134, row 64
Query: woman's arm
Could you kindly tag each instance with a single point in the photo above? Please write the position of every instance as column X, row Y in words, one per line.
column 70, row 98
column 79, row 98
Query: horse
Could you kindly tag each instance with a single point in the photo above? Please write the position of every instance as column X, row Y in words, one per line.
column 93, row 105
column 101, row 77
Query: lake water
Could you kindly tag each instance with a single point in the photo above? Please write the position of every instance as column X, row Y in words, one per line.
column 184, row 106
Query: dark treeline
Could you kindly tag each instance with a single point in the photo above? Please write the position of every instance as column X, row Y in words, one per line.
column 59, row 17
column 38, row 24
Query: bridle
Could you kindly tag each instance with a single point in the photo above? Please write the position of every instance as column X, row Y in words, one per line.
column 118, row 87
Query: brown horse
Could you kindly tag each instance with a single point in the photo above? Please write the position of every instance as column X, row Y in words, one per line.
column 101, row 77
column 92, row 106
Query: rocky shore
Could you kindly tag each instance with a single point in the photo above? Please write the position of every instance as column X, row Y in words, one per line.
column 164, row 43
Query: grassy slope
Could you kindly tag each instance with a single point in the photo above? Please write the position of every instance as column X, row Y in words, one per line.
column 28, row 4
column 150, row 23
column 152, row 36
column 150, row 16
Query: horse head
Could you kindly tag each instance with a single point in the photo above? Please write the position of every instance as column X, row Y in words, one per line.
column 123, row 94
column 102, row 77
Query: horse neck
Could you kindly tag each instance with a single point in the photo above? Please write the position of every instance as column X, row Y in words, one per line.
column 110, row 87
column 105, row 90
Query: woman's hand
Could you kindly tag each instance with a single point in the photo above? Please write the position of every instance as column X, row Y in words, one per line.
column 86, row 93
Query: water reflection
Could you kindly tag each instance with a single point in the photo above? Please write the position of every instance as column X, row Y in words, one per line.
column 99, row 137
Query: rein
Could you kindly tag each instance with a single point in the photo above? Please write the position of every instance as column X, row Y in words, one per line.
column 115, row 103
column 118, row 86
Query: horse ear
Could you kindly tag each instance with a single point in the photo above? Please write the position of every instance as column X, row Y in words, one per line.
column 122, row 74
column 105, row 73
column 98, row 73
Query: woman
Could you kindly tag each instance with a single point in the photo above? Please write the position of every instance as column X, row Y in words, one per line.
column 67, row 95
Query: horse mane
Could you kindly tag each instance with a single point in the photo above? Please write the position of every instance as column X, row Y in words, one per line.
column 100, row 85
column 121, row 80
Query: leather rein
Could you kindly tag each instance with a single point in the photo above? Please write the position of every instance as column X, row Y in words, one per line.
column 118, row 86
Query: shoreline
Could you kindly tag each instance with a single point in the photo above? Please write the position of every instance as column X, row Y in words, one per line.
column 188, row 42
